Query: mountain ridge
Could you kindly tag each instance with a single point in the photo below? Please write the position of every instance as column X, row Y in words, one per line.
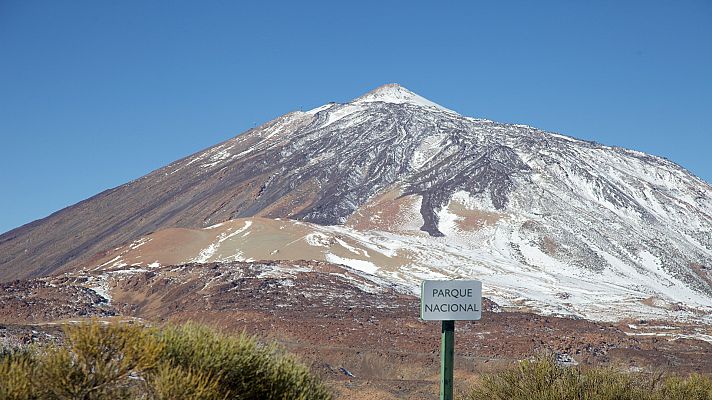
column 567, row 208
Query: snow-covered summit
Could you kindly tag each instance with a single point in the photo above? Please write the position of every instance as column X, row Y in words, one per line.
column 397, row 94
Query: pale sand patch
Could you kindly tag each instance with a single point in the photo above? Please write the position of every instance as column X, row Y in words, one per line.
column 473, row 220
column 255, row 239
column 388, row 212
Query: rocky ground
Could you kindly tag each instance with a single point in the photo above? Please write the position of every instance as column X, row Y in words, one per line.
column 364, row 337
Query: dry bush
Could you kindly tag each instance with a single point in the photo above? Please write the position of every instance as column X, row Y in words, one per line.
column 544, row 379
column 131, row 361
column 245, row 368
column 100, row 361
column 17, row 369
column 171, row 382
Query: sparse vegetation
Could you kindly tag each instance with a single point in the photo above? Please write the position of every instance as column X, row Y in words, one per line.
column 244, row 367
column 130, row 361
column 544, row 379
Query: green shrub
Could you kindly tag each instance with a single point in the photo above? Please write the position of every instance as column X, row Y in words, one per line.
column 695, row 387
column 17, row 369
column 544, row 379
column 170, row 382
column 126, row 361
column 244, row 368
column 100, row 362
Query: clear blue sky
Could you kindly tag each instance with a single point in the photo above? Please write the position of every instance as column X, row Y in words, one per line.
column 96, row 93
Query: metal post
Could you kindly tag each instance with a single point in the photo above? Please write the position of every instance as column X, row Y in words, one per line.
column 447, row 360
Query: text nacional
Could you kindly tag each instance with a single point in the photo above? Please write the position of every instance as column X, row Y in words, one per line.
column 451, row 300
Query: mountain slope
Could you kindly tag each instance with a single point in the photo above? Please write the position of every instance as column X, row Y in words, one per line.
column 547, row 207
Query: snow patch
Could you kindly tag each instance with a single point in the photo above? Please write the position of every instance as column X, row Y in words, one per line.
column 447, row 220
column 337, row 113
column 351, row 248
column 321, row 108
column 206, row 253
column 427, row 149
column 317, row 239
column 360, row 265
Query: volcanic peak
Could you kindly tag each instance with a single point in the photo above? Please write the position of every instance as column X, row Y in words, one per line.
column 397, row 94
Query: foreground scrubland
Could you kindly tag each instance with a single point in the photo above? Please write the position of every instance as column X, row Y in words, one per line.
column 97, row 360
column 131, row 361
column 544, row 379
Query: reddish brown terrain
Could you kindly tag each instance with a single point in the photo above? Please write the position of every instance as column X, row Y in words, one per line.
column 363, row 337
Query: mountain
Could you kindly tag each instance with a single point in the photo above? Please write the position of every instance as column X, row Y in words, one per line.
column 399, row 187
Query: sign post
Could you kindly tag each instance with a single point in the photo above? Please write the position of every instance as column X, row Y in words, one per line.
column 448, row 301
column 447, row 360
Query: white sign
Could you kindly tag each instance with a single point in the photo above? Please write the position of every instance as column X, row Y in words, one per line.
column 451, row 300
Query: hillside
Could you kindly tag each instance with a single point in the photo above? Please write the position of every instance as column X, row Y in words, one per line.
column 398, row 186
